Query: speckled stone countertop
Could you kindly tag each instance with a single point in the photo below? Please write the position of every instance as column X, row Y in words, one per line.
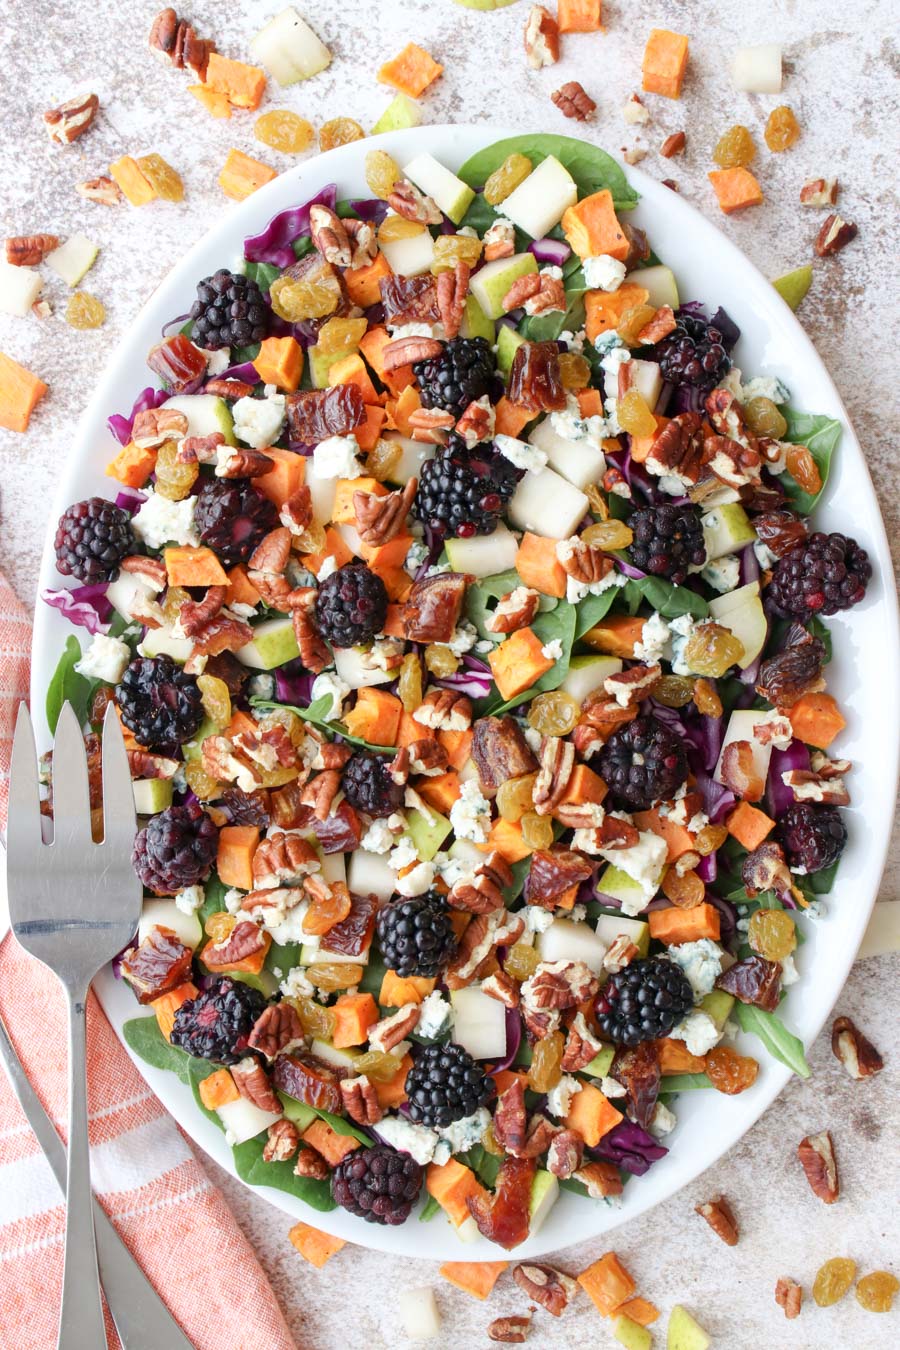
column 841, row 67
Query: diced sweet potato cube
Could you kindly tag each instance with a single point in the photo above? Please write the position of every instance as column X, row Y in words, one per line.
column 241, row 175
column 674, row 926
column 187, row 566
column 280, row 362
column 375, row 717
column 816, row 719
column 592, row 1115
column 234, row 863
column 362, row 283
column 474, row 1277
column 592, row 227
column 332, row 1146
column 313, row 1245
column 397, row 990
column 20, row 392
column 284, row 478
column 579, row 16
column 665, row 61
column 518, row 663
column 539, row 567
column 412, row 71
column 506, row 837
column 616, row 635
column 241, row 84
column 218, row 1090
column 748, row 825
column 134, row 186
column 604, row 309
column 607, row 1283
column 735, row 189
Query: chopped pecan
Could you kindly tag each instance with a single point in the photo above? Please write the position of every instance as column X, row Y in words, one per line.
column 823, row 782
column 834, row 235
column 360, row 1100
column 565, row 1154
column 363, row 242
column 321, row 791
column 102, row 190
column 477, row 422
column 311, row 1163
column 611, row 833
column 789, row 1295
column 426, row 757
column 480, row 939
column 241, row 462
column 557, row 764
column 753, row 980
column 515, row 610
column 546, row 1286
column 854, row 1050
column 816, row 1154
column 601, row 716
column 483, row 892
column 500, row 751
column 276, row 1029
column 252, row 1082
column 634, row 111
column 615, row 482
column 630, row 687
column 444, row 710
column 379, row 519
column 390, row 1031
column 406, row 351
column 673, row 145
column 153, row 426
column 145, row 765
column 600, row 1179
column 819, row 192
column 273, row 901
column 541, row 1133
column 329, row 236
column 173, row 40
column 296, row 512
column 283, row 857
column 552, row 872
column 407, row 201
column 502, row 987
column 619, row 954
column 245, row 939
column 573, row 101
column 522, row 289
column 550, row 295
column 720, row 1217
column 560, row 984
column 282, row 1141
column 581, row 1047
column 729, row 461
column 499, row 240
column 583, row 562
column 541, row 38
column 431, row 425
column 200, row 449
column 223, row 633
column 660, row 326
column 315, row 654
column 26, row 250
column 452, row 289
column 233, row 389
column 194, row 615
column 71, row 119
column 511, row 1330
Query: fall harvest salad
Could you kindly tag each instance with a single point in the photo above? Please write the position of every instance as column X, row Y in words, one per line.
column 463, row 613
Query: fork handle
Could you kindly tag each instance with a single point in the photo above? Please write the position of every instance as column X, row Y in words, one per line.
column 81, row 1325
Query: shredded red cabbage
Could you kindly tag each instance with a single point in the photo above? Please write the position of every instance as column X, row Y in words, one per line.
column 513, row 1041
column 85, row 606
column 174, row 325
column 369, row 209
column 120, row 425
column 552, row 251
column 780, row 797
column 468, row 682
column 130, row 501
column 293, row 684
column 245, row 371
column 273, row 244
column 630, row 1147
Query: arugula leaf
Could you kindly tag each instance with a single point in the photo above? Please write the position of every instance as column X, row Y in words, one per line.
column 68, row 685
column 485, row 589
column 820, row 435
column 547, row 327
column 592, row 609
column 592, row 168
column 249, row 1165
column 670, row 601
column 782, row 1044
column 314, row 715
column 143, row 1036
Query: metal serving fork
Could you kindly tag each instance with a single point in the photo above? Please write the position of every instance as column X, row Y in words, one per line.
column 73, row 905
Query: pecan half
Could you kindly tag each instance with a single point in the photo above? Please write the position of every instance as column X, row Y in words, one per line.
column 733, row 464
column 321, row 791
column 407, row 201
column 554, row 774
column 720, row 1217
column 522, row 289
column 823, row 782
column 245, row 939
column 482, row 936
column 583, row 562
column 233, row 389
column 816, row 1154
column 549, row 1287
column 360, row 1100
column 224, row 633
column 834, row 235
column 452, row 288
column 660, row 326
column 71, row 119
column 483, row 893
column 26, row 250
column 502, row 987
column 552, row 872
column 581, row 1046
column 194, row 615
column 102, row 190
column 853, row 1050
column 444, row 710
column 619, row 954
column 200, row 449
column 541, row 38
column 630, row 687
column 431, row 425
column 175, row 41
column 315, row 654
column 282, row 1141
column 390, row 1031
column 310, row 1163
column 253, row 1083
column 514, row 610
column 560, row 984
column 328, row 235
column 363, row 242
column 600, row 1179
column 379, row 519
column 276, row 1029
column 573, row 101
column 477, row 422
column 145, row 765
column 406, row 351
column 426, row 757
column 500, row 751
column 511, row 1330
column 153, row 426
column 789, row 1295
column 241, row 462
column 565, row 1154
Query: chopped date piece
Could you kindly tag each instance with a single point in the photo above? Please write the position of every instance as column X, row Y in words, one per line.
column 339, row 832
column 753, row 980
column 316, row 414
column 433, row 607
column 638, row 1070
column 308, row 1079
column 177, row 362
column 288, row 810
column 794, row 671
column 552, row 872
column 535, row 381
column 409, row 300
column 500, row 751
column 159, row 964
column 503, row 1217
column 353, row 934
column 780, row 530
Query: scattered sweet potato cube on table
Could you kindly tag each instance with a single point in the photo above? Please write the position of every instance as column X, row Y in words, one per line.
column 665, row 61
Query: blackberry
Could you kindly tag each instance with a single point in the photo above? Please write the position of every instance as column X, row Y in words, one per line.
column 175, row 849
column 416, row 936
column 463, row 372
column 463, row 492
column 369, row 786
column 668, row 541
column 377, row 1184
column 229, row 312
column 693, row 353
column 233, row 517
column 217, row 1023
column 642, row 763
column 159, row 702
column 351, row 606
column 92, row 538
column 813, row 836
column 826, row 574
column 443, row 1085
column 643, row 1001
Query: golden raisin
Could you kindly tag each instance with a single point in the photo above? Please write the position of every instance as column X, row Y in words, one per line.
column 673, row 691
column 875, row 1292
column 85, row 311
column 382, row 460
column 685, row 891
column 171, row 607
column 609, row 535
column 712, row 649
column 515, row 796
column 764, row 419
column 545, row 1069
column 631, row 324
column 537, row 831
column 173, row 479
column 450, row 249
column 489, row 1143
column 316, row 1020
column 734, row 149
column 382, row 172
column 521, row 961
column 513, row 171
column 375, row 1064
column 730, row 1072
column 339, row 975
column 440, row 661
column 709, row 839
column 574, row 371
column 634, row 414
column 200, row 782
column 162, row 177
column 295, row 300
column 341, row 337
column 706, row 699
column 220, row 926
column 832, row 1281
column 410, row 686
column 284, row 130
column 772, row 933
column 398, row 227
column 597, row 502
column 803, row 469
column 339, row 131
column 215, row 698
column 782, row 129
column 554, row 714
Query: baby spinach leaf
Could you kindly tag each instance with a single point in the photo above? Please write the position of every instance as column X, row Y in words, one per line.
column 592, row 168
column 143, row 1036
column 820, row 435
column 547, row 327
column 241, row 354
column 262, row 273
column 782, row 1044
column 315, row 714
column 198, row 1071
column 478, row 609
column 670, row 601
column 685, row 1082
column 429, row 1209
column 592, row 609
column 249, row 1165
column 342, row 1126
column 214, row 898
column 67, row 685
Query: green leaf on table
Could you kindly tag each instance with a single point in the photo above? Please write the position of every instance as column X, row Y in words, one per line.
column 67, row 685
column 592, row 168
column 782, row 1044
column 668, row 600
column 249, row 1165
column 820, row 435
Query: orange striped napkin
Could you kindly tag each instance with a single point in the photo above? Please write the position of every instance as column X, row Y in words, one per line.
column 153, row 1188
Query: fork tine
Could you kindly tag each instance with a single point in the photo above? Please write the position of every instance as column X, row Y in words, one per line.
column 71, row 797
column 23, row 835
column 118, row 794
